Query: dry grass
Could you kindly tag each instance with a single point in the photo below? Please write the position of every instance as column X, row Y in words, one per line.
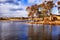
column 46, row 22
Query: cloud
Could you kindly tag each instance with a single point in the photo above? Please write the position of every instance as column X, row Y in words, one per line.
column 12, row 10
column 48, row 0
column 3, row 0
column 35, row 1
column 31, row 1
column 19, row 13
column 55, row 10
column 58, row 0
column 5, row 10
column 16, row 9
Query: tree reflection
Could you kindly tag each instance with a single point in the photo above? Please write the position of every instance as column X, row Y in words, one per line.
column 40, row 32
column 31, row 32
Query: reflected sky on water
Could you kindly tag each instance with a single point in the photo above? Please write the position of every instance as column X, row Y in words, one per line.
column 11, row 30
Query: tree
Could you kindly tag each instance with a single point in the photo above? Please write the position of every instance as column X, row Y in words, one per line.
column 50, row 5
column 30, row 11
column 46, row 8
column 44, row 11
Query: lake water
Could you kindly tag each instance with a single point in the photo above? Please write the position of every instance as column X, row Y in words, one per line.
column 14, row 30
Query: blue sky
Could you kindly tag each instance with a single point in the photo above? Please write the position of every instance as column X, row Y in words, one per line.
column 16, row 8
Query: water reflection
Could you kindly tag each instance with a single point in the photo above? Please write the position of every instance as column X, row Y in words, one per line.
column 10, row 30
column 40, row 32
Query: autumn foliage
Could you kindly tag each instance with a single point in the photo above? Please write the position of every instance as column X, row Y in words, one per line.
column 34, row 9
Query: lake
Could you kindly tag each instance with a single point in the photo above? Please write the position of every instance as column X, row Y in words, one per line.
column 14, row 30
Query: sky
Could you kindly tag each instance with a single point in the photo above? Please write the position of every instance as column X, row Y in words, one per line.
column 17, row 8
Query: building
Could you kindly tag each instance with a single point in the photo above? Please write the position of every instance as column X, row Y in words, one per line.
column 53, row 17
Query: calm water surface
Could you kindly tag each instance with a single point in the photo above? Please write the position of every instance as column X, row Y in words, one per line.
column 11, row 30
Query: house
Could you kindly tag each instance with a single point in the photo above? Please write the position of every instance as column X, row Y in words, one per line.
column 56, row 17
column 53, row 17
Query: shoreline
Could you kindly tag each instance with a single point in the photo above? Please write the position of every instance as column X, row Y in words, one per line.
column 46, row 22
column 38, row 22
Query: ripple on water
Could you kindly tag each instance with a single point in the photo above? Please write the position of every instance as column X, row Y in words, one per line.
column 11, row 30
